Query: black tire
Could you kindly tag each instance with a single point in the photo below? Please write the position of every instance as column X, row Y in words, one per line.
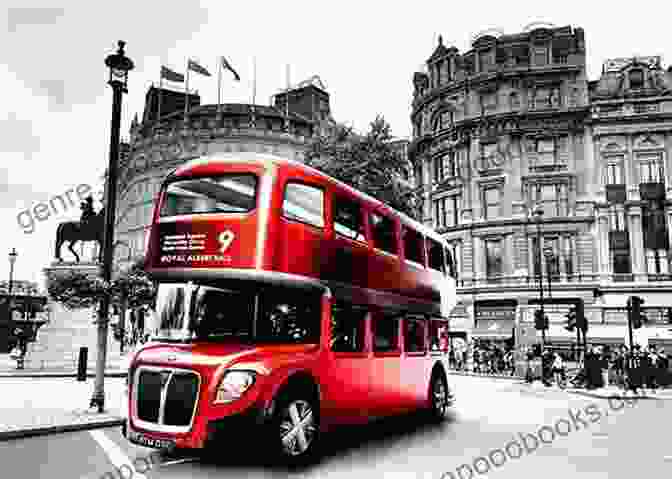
column 295, row 429
column 439, row 397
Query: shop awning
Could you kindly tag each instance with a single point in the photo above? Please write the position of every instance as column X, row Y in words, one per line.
column 494, row 329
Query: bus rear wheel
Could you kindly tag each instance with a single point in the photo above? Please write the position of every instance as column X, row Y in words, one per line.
column 439, row 397
column 295, row 429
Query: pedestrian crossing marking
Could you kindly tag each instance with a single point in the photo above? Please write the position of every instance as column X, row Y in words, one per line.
column 114, row 453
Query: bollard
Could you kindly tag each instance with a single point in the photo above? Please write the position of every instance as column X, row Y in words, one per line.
column 81, row 365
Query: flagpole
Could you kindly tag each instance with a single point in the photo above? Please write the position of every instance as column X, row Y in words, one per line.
column 186, row 94
column 254, row 80
column 219, row 87
column 287, row 95
column 158, row 114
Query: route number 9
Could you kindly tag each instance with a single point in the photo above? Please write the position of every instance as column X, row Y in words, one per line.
column 225, row 239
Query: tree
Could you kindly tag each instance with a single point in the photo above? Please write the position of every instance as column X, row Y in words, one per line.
column 368, row 163
column 78, row 290
column 134, row 286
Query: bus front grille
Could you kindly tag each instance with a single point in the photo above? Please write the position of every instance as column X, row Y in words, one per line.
column 180, row 400
column 166, row 397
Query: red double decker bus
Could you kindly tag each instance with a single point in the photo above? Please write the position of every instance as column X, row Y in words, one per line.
column 289, row 301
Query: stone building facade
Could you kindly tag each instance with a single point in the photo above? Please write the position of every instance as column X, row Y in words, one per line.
column 512, row 125
column 156, row 148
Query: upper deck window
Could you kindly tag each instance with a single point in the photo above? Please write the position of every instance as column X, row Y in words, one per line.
column 382, row 229
column 304, row 203
column 222, row 194
column 435, row 251
column 348, row 219
column 413, row 248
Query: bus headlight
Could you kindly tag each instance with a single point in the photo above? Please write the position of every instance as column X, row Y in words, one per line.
column 233, row 386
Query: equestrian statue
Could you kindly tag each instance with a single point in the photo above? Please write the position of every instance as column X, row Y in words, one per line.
column 89, row 228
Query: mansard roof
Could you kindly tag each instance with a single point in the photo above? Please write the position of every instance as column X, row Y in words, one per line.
column 615, row 81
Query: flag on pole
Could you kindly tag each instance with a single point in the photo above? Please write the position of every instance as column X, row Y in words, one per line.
column 254, row 80
column 171, row 75
column 195, row 67
column 226, row 65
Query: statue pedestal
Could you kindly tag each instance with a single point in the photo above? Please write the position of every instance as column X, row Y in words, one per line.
column 58, row 342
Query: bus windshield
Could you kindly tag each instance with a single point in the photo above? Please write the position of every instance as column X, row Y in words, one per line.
column 234, row 193
column 203, row 313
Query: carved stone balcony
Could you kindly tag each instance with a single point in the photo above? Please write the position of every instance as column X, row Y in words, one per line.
column 616, row 194
column 652, row 191
column 619, row 240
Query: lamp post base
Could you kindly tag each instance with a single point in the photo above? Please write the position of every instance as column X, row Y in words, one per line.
column 98, row 400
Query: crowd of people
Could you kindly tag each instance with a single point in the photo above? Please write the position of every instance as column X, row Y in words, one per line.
column 484, row 358
column 647, row 367
column 632, row 370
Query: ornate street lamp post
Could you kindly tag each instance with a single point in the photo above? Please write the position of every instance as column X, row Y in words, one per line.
column 119, row 66
column 538, row 213
column 12, row 259
column 122, row 306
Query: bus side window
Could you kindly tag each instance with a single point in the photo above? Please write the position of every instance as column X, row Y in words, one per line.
column 452, row 271
column 438, row 336
column 383, row 233
column 436, row 256
column 385, row 333
column 347, row 329
column 349, row 219
column 414, row 335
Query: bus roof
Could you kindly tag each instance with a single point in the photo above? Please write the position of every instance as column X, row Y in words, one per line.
column 252, row 157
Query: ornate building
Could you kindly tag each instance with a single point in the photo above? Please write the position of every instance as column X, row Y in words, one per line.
column 156, row 148
column 509, row 126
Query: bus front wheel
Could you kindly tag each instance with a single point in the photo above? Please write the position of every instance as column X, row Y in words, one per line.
column 439, row 396
column 295, row 428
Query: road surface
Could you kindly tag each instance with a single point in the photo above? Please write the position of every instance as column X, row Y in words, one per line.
column 584, row 438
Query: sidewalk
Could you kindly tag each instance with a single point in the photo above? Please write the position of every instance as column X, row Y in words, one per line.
column 616, row 392
column 117, row 365
column 457, row 372
column 52, row 405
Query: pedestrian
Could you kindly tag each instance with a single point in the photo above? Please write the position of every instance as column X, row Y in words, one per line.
column 546, row 367
column 663, row 368
column 619, row 367
column 604, row 366
column 591, row 365
column 557, row 369
column 652, row 363
column 633, row 370
column 477, row 360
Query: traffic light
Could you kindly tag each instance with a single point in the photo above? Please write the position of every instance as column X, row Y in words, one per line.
column 571, row 319
column 540, row 320
column 581, row 320
column 116, row 331
column 668, row 315
column 635, row 311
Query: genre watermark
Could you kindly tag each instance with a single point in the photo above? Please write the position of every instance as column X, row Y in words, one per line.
column 527, row 443
column 57, row 205
column 140, row 465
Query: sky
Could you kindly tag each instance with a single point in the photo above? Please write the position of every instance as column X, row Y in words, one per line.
column 55, row 106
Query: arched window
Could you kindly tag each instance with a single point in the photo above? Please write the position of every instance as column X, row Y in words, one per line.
column 514, row 101
column 636, row 78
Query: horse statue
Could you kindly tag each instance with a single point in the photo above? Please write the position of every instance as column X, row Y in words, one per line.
column 74, row 231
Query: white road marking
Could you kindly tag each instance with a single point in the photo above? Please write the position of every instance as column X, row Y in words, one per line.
column 179, row 461
column 114, row 453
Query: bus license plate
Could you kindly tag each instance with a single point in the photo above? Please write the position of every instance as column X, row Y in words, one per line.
column 143, row 440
